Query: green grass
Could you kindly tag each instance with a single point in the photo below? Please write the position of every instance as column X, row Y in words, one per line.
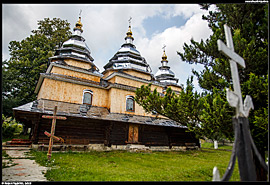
column 127, row 166
column 220, row 146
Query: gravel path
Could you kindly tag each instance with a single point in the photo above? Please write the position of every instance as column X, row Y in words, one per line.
column 21, row 167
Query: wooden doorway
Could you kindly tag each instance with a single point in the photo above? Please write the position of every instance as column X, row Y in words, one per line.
column 133, row 133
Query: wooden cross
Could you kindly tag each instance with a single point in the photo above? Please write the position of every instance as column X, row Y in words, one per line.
column 51, row 135
column 235, row 98
column 54, row 137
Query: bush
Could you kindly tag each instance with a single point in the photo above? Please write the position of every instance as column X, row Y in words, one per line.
column 10, row 127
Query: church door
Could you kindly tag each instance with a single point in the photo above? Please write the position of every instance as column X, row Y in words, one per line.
column 133, row 133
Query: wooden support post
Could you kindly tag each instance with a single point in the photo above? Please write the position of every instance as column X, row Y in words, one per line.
column 54, row 117
column 35, row 130
column 244, row 152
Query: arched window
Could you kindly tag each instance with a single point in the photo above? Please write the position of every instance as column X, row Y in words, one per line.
column 130, row 103
column 87, row 97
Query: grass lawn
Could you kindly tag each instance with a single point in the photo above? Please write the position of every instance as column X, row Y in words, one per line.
column 220, row 146
column 128, row 166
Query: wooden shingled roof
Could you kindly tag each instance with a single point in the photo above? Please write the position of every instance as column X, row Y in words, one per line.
column 43, row 106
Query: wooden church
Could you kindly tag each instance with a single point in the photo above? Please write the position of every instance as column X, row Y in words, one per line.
column 100, row 107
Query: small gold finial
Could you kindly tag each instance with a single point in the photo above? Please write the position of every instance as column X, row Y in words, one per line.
column 79, row 24
column 129, row 32
column 164, row 56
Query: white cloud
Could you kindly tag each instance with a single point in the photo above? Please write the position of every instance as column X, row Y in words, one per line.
column 174, row 38
column 186, row 10
column 107, row 25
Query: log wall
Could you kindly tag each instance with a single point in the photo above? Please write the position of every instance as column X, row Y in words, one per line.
column 75, row 131
column 83, row 131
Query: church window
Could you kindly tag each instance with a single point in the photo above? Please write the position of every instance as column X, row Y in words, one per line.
column 87, row 97
column 130, row 103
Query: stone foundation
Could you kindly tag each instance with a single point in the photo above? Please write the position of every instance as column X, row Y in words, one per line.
column 102, row 147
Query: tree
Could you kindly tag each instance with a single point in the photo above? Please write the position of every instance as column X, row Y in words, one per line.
column 10, row 127
column 206, row 115
column 29, row 58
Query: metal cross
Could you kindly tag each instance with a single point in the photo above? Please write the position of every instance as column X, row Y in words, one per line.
column 235, row 98
column 80, row 13
column 129, row 20
column 164, row 46
column 54, row 117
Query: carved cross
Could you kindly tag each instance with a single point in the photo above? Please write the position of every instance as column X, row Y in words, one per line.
column 235, row 98
column 51, row 135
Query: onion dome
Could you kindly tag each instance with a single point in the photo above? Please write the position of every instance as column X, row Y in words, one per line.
column 76, row 48
column 129, row 38
column 164, row 74
column 128, row 57
column 78, row 25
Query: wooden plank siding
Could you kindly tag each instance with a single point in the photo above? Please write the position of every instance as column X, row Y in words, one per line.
column 153, row 136
column 180, row 137
column 82, row 131
column 119, row 133
column 75, row 131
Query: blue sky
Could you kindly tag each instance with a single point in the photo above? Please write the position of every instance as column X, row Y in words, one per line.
column 105, row 27
column 158, row 24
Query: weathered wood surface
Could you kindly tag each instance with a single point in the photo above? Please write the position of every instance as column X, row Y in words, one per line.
column 86, row 131
column 119, row 133
column 76, row 131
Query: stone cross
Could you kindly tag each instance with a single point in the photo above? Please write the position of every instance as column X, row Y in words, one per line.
column 54, row 117
column 235, row 98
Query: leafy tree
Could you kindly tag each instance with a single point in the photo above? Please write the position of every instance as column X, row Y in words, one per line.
column 10, row 127
column 29, row 58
